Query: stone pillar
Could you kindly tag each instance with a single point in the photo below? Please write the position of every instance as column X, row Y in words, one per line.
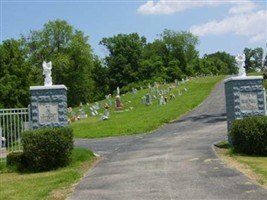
column 245, row 96
column 49, row 106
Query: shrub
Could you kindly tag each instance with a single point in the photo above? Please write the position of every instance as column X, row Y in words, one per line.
column 249, row 135
column 46, row 149
column 16, row 161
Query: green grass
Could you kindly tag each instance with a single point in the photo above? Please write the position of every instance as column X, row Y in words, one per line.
column 143, row 119
column 256, row 164
column 47, row 185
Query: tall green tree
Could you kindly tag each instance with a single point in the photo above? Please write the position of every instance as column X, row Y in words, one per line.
column 123, row 60
column 101, row 79
column 180, row 46
column 71, row 56
column 15, row 75
column 223, row 62
column 153, row 59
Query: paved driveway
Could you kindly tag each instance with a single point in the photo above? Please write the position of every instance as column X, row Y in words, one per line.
column 176, row 161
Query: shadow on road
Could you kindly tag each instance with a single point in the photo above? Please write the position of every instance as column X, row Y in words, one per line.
column 204, row 118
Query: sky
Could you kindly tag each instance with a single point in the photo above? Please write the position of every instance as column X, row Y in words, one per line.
column 221, row 25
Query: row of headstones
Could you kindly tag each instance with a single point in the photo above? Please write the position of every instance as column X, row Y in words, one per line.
column 94, row 111
column 161, row 97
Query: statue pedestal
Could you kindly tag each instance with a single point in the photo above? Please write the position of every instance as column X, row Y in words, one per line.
column 245, row 97
column 49, row 106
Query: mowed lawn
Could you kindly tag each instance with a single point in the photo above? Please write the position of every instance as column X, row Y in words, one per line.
column 255, row 167
column 139, row 118
column 52, row 185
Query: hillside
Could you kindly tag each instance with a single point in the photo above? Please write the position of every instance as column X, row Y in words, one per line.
column 137, row 117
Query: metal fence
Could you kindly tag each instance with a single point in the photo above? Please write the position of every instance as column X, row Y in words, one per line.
column 12, row 123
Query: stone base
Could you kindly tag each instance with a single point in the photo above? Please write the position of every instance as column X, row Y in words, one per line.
column 49, row 106
column 245, row 96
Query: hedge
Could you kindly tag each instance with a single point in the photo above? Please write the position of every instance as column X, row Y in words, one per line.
column 43, row 150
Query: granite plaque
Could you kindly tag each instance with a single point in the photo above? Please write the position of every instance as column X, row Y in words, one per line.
column 48, row 112
column 248, row 101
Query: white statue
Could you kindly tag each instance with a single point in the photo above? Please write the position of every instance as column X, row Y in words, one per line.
column 47, row 67
column 240, row 60
column 118, row 91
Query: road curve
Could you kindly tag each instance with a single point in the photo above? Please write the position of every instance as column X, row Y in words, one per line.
column 176, row 161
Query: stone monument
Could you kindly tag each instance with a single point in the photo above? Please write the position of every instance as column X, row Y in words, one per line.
column 48, row 102
column 118, row 104
column 244, row 95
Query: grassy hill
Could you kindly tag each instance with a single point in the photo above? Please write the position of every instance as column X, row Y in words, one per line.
column 139, row 118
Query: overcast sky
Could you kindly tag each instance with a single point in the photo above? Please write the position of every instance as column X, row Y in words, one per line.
column 222, row 25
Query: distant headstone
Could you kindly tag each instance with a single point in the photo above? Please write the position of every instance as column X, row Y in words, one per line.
column 148, row 99
column 134, row 91
column 96, row 106
column 118, row 104
column 105, row 115
column 143, row 100
column 82, row 114
column 176, row 82
column 162, row 101
column 172, row 96
column 93, row 111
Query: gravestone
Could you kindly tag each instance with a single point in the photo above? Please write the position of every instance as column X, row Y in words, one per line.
column 118, row 104
column 162, row 101
column 48, row 103
column 143, row 100
column 105, row 115
column 179, row 92
column 148, row 100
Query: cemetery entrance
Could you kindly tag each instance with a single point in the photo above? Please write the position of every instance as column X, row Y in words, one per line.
column 12, row 123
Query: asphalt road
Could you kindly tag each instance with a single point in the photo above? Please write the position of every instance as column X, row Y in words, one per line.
column 176, row 161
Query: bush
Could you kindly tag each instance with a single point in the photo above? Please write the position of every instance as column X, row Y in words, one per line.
column 46, row 149
column 15, row 160
column 249, row 135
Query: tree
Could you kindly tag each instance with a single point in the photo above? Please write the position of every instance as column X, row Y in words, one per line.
column 180, row 46
column 100, row 77
column 253, row 58
column 15, row 75
column 124, row 58
column 223, row 62
column 71, row 55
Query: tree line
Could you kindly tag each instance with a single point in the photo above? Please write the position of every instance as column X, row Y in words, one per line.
column 131, row 61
